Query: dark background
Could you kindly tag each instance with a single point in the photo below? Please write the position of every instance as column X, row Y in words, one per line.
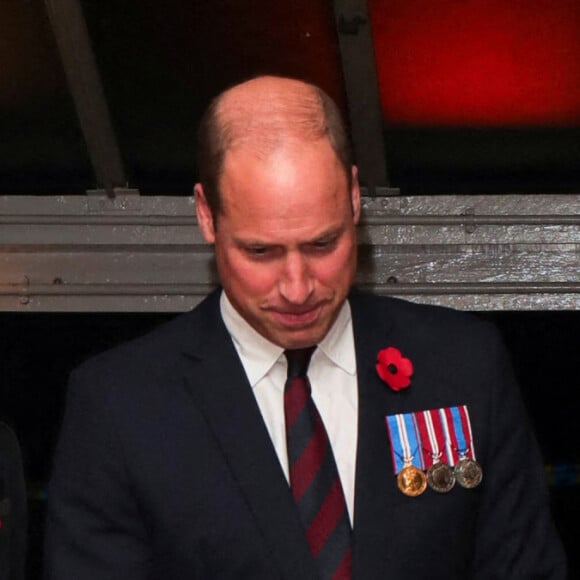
column 477, row 97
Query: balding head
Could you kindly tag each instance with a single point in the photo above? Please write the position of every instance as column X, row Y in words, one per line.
column 262, row 115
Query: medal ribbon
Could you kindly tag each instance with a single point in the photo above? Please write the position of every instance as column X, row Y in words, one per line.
column 442, row 440
column 466, row 427
column 457, row 425
column 406, row 448
column 431, row 431
column 418, row 438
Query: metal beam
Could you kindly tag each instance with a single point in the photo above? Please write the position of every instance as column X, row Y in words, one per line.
column 146, row 254
column 360, row 79
column 72, row 38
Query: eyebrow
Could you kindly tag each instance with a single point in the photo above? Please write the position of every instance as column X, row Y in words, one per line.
column 328, row 233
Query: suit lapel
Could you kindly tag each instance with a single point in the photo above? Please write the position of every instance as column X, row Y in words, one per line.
column 217, row 382
column 376, row 493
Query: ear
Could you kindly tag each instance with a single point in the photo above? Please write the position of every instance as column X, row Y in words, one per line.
column 355, row 194
column 204, row 214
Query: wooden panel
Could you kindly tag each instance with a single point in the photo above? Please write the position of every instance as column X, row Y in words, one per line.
column 135, row 253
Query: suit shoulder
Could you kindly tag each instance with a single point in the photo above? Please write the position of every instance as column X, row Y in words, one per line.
column 158, row 348
column 424, row 319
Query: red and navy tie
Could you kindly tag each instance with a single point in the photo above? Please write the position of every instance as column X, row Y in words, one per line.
column 314, row 478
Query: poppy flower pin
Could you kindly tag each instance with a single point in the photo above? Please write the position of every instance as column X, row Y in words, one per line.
column 393, row 368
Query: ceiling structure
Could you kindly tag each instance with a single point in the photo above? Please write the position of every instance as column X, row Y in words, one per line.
column 471, row 97
column 465, row 120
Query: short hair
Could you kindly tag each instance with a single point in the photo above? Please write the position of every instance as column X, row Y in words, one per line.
column 290, row 110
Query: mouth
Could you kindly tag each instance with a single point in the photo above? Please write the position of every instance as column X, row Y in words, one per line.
column 297, row 318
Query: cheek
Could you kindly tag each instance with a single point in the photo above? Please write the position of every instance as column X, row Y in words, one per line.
column 339, row 268
column 247, row 278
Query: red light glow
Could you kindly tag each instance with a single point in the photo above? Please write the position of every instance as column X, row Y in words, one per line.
column 478, row 62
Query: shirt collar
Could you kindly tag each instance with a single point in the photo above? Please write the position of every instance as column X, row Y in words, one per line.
column 259, row 355
column 338, row 344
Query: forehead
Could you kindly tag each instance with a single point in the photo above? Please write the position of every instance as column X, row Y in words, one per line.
column 300, row 187
column 283, row 174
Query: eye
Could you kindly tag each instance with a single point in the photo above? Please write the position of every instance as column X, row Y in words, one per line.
column 324, row 244
column 257, row 251
column 261, row 252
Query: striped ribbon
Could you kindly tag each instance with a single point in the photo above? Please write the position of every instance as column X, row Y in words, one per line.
column 425, row 437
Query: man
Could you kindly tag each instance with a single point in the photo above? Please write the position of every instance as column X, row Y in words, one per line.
column 175, row 461
column 13, row 516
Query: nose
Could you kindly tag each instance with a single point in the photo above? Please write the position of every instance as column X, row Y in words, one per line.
column 296, row 283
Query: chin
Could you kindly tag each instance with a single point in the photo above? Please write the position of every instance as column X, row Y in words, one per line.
column 301, row 339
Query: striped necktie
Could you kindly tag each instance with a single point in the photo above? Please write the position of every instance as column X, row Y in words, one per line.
column 314, row 479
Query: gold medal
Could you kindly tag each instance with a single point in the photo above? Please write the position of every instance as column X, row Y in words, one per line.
column 440, row 477
column 412, row 481
column 468, row 473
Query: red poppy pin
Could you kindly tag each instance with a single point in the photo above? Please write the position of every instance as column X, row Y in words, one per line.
column 394, row 368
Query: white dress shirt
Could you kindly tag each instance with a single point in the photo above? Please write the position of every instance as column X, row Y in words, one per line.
column 332, row 375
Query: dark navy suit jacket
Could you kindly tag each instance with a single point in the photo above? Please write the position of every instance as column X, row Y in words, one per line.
column 165, row 469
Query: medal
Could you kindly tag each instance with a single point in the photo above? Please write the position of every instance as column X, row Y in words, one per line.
column 411, row 481
column 408, row 460
column 433, row 448
column 468, row 473
column 440, row 477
